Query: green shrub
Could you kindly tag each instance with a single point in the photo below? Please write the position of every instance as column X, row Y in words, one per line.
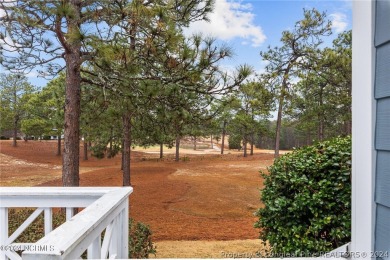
column 140, row 240
column 116, row 148
column 98, row 150
column 3, row 138
column 307, row 199
column 235, row 141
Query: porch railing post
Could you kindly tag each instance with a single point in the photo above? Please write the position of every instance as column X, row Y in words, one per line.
column 3, row 230
column 125, row 231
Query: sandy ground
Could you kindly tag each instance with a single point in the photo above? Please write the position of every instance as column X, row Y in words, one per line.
column 206, row 197
column 250, row 248
column 215, row 150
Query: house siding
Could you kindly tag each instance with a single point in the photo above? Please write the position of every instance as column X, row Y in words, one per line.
column 382, row 141
column 382, row 129
column 382, row 33
column 383, row 230
column 382, row 88
column 383, row 178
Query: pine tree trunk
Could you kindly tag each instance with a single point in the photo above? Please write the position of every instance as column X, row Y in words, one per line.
column 70, row 159
column 85, row 150
column 161, row 150
column 280, row 107
column 321, row 116
column 110, row 147
column 252, row 142
column 126, row 145
column 223, row 136
column 59, row 145
column 211, row 140
column 321, row 130
column 308, row 138
column 123, row 153
column 245, row 146
column 348, row 130
column 349, row 121
column 16, row 119
column 127, row 121
column 195, row 143
column 278, row 127
column 177, row 158
column 71, row 156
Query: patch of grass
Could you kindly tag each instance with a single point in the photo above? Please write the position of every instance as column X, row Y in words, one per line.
column 185, row 159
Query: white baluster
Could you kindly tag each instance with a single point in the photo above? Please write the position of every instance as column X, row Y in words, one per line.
column 107, row 240
column 113, row 248
column 69, row 213
column 48, row 214
column 13, row 255
column 94, row 250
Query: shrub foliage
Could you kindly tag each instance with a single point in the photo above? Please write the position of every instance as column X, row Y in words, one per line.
column 140, row 240
column 307, row 199
column 235, row 141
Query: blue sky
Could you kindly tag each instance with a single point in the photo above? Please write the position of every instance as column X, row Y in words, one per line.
column 250, row 26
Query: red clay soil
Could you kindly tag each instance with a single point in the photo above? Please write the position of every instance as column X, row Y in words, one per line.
column 207, row 197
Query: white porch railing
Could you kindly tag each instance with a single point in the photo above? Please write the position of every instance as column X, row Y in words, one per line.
column 105, row 209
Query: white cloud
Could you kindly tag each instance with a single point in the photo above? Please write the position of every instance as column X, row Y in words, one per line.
column 230, row 20
column 32, row 74
column 7, row 38
column 339, row 22
column 7, row 44
column 6, row 3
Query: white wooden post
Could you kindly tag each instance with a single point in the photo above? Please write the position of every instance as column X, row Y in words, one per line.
column 3, row 230
column 119, row 234
column 363, row 118
column 125, row 231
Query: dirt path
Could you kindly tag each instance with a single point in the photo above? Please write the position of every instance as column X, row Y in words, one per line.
column 19, row 172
